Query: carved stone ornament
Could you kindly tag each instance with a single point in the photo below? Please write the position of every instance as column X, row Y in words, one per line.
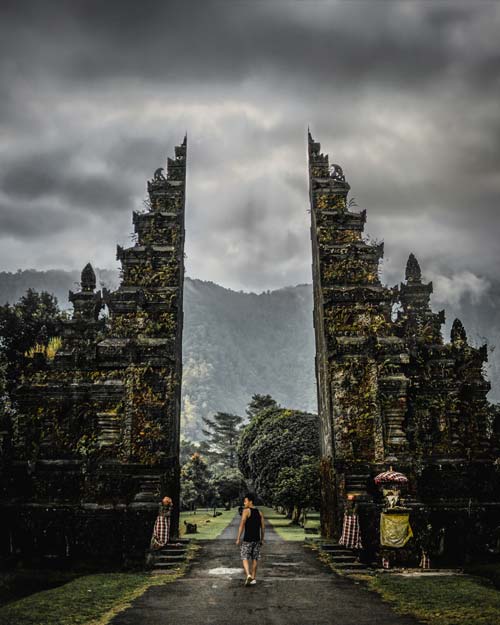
column 88, row 279
column 413, row 272
column 158, row 175
column 336, row 173
column 458, row 334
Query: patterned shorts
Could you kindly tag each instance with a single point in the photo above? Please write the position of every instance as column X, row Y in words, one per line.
column 250, row 550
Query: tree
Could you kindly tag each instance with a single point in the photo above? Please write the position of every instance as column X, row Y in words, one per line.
column 189, row 494
column 229, row 486
column 195, row 475
column 275, row 439
column 222, row 434
column 248, row 435
column 6, row 409
column 188, row 448
column 35, row 318
column 298, row 488
column 260, row 403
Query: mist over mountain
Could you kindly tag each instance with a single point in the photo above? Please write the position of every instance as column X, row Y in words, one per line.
column 14, row 285
column 237, row 343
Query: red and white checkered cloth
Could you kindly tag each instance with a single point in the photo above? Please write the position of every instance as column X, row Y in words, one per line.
column 425, row 561
column 351, row 535
column 161, row 532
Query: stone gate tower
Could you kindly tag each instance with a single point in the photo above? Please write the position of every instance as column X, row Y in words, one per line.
column 390, row 391
column 96, row 437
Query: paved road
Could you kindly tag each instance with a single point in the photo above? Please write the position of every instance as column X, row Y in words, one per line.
column 231, row 531
column 294, row 588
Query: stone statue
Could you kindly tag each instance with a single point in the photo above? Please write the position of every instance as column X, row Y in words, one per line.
column 336, row 173
column 158, row 175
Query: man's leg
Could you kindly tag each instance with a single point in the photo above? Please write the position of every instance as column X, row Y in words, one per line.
column 245, row 558
column 255, row 559
column 246, row 567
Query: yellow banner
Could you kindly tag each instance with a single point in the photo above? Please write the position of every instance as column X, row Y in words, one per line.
column 395, row 530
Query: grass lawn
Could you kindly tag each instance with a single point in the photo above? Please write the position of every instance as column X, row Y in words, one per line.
column 490, row 571
column 18, row 583
column 284, row 527
column 447, row 600
column 439, row 599
column 90, row 599
column 209, row 527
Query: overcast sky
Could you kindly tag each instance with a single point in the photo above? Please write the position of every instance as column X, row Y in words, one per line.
column 404, row 95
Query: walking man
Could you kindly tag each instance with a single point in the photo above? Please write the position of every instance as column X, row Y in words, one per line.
column 252, row 522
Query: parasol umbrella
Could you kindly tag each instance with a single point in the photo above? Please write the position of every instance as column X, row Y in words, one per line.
column 391, row 477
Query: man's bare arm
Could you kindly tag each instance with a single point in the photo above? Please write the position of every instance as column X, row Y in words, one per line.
column 263, row 527
column 244, row 517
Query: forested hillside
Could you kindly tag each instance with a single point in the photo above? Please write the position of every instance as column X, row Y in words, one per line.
column 237, row 343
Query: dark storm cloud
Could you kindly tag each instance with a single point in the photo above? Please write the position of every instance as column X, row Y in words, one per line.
column 25, row 220
column 49, row 174
column 351, row 41
column 93, row 96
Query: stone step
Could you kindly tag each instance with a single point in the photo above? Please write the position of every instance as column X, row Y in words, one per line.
column 177, row 543
column 166, row 565
column 361, row 480
column 105, row 440
column 168, row 554
column 149, row 485
column 166, row 558
column 339, row 554
column 343, row 558
column 336, row 549
column 350, row 565
column 109, row 428
column 171, row 551
column 106, row 417
column 149, row 482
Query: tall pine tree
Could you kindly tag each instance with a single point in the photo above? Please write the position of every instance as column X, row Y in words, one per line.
column 222, row 432
column 258, row 403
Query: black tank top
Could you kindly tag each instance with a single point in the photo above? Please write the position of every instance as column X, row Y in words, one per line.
column 252, row 527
